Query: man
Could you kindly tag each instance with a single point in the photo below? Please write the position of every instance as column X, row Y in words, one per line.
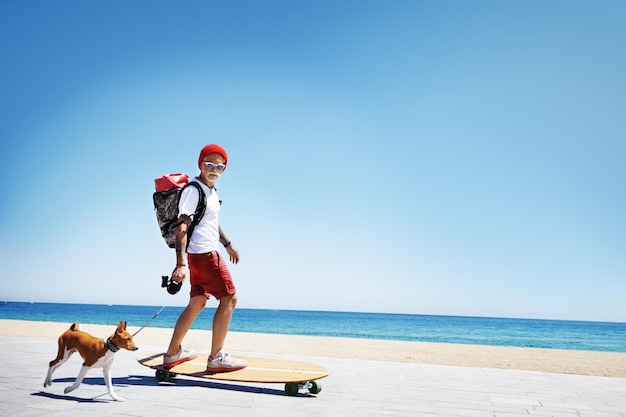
column 208, row 272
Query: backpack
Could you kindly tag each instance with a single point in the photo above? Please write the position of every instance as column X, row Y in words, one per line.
column 166, row 197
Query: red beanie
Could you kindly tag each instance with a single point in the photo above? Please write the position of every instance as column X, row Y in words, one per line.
column 212, row 148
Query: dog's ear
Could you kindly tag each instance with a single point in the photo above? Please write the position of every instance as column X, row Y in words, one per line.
column 121, row 326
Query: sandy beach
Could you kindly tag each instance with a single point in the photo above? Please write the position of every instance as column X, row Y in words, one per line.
column 531, row 359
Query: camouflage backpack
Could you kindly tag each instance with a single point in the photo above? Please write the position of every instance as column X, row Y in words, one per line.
column 166, row 197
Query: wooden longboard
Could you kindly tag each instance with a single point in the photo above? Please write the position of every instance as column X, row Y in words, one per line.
column 294, row 374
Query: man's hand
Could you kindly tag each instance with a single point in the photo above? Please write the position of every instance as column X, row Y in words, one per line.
column 179, row 274
column 233, row 254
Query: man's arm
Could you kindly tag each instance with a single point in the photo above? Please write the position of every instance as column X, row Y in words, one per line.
column 223, row 239
column 180, row 272
column 232, row 252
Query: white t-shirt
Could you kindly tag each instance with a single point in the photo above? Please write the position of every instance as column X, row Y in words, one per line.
column 205, row 237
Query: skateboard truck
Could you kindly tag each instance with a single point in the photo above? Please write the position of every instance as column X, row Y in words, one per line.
column 292, row 388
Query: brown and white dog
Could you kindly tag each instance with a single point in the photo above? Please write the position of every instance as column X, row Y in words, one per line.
column 96, row 353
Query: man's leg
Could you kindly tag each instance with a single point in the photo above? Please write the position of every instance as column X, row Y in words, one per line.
column 184, row 322
column 221, row 322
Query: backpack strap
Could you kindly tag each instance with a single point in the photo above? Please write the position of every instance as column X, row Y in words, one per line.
column 200, row 209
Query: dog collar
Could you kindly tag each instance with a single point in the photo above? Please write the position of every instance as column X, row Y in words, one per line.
column 112, row 347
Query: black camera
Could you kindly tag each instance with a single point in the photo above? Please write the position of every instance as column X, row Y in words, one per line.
column 172, row 286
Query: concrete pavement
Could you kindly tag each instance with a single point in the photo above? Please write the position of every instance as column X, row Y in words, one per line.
column 354, row 388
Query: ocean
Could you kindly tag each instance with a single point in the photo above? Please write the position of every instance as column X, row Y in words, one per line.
column 552, row 334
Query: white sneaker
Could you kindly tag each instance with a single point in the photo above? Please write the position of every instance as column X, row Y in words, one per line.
column 183, row 355
column 224, row 363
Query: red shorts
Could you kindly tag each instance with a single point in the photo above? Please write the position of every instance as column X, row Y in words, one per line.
column 209, row 275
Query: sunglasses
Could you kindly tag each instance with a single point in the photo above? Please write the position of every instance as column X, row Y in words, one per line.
column 211, row 165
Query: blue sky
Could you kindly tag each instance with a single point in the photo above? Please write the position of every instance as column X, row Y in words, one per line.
column 427, row 157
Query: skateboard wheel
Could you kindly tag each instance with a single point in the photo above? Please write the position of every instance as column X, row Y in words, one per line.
column 161, row 375
column 291, row 389
column 315, row 387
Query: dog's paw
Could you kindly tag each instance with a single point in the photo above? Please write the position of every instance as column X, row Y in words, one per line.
column 118, row 399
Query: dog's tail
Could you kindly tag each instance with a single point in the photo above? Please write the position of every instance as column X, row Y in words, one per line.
column 74, row 327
